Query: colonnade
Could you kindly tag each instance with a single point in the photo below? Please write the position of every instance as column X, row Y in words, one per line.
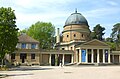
column 63, row 58
column 100, row 53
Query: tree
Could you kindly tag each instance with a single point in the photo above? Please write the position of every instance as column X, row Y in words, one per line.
column 43, row 32
column 22, row 31
column 109, row 39
column 97, row 32
column 116, row 32
column 111, row 43
column 8, row 32
column 116, row 35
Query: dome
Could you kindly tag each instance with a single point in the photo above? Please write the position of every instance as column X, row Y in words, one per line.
column 76, row 18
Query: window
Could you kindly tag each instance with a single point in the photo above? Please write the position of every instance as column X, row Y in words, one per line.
column 13, row 56
column 67, row 35
column 33, row 46
column 23, row 56
column 63, row 48
column 74, row 35
column 23, row 45
column 32, row 56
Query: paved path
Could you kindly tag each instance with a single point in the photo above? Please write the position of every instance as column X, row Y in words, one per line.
column 49, row 72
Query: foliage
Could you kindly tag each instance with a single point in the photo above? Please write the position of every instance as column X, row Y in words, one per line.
column 8, row 31
column 43, row 32
column 112, row 45
column 116, row 32
column 116, row 35
column 22, row 31
column 109, row 39
column 97, row 32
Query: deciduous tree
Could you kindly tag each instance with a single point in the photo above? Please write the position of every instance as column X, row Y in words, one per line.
column 8, row 31
column 43, row 32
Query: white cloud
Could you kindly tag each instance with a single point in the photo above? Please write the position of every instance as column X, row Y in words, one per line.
column 113, row 3
column 40, row 3
column 101, row 12
column 57, row 11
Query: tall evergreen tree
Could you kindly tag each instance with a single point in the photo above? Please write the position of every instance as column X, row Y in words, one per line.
column 98, row 32
column 116, row 35
column 116, row 32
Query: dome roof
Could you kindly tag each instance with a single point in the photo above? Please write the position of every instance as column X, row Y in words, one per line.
column 76, row 18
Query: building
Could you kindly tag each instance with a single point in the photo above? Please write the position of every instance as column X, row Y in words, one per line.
column 76, row 37
column 27, row 51
column 115, row 55
column 74, row 46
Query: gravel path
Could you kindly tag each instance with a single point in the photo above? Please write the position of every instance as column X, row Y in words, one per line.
column 49, row 72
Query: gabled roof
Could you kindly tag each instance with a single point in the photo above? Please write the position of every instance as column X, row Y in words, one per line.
column 94, row 42
column 23, row 38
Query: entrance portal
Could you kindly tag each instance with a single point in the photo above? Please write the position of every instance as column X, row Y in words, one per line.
column 23, row 57
column 53, row 60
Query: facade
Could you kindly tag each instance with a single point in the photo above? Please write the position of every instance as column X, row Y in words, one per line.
column 74, row 46
column 76, row 37
column 115, row 55
column 27, row 51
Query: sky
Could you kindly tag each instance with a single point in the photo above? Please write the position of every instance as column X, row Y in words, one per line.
column 28, row 12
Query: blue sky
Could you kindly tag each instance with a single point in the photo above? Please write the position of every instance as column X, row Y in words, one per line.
column 104, row 12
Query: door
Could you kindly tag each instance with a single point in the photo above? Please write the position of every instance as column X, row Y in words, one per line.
column 23, row 57
column 83, row 55
column 23, row 60
column 116, row 59
column 53, row 59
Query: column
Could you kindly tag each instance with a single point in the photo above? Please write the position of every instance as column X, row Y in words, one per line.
column 72, row 58
column 103, row 55
column 76, row 56
column 109, row 56
column 112, row 58
column 86, row 56
column 63, row 59
column 56, row 58
column 80, row 56
column 98, row 57
column 92, row 56
column 119, row 58
column 50, row 59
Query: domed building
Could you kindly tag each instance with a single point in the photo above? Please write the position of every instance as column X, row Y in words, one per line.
column 76, row 28
column 76, row 38
column 76, row 31
column 74, row 46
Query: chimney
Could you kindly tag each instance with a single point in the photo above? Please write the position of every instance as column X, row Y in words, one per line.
column 58, row 36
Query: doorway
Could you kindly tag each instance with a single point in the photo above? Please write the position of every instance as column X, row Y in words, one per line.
column 53, row 60
column 23, row 57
